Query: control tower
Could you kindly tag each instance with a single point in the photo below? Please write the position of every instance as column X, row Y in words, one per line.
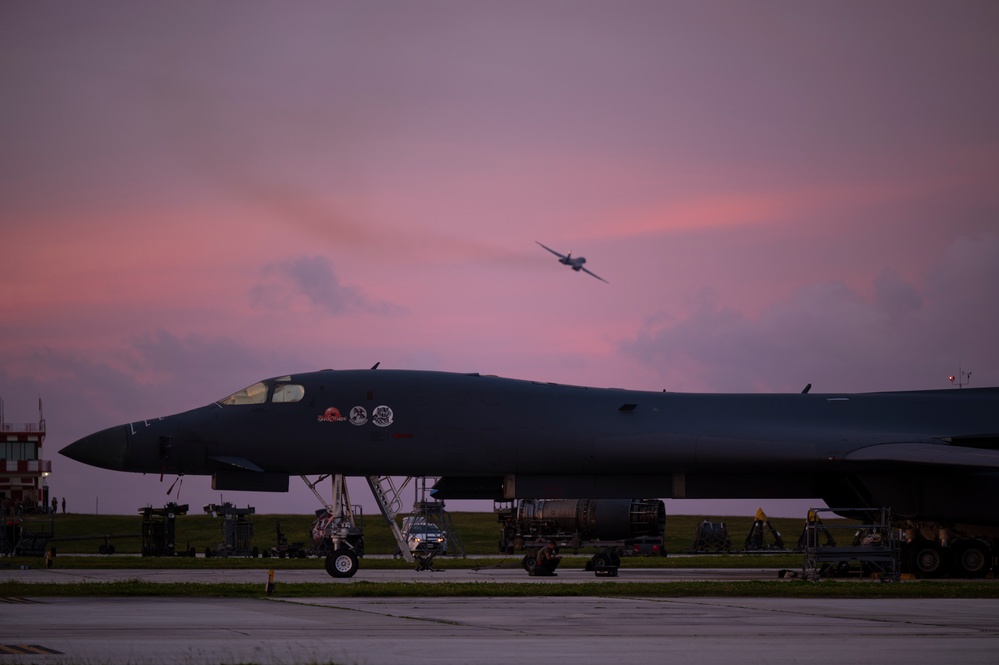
column 22, row 469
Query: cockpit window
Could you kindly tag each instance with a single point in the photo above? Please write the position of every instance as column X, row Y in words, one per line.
column 288, row 392
column 255, row 394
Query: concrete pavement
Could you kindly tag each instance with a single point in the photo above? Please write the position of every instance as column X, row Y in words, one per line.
column 444, row 631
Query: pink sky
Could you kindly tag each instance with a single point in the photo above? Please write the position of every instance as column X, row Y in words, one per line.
column 194, row 197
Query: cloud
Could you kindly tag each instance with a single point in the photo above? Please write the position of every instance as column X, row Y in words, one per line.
column 896, row 297
column 310, row 282
column 762, row 204
column 896, row 335
column 198, row 366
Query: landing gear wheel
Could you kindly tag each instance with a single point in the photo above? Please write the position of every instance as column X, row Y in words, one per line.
column 927, row 559
column 529, row 562
column 342, row 563
column 972, row 559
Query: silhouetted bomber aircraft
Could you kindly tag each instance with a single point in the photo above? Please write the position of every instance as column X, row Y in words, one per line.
column 576, row 263
column 931, row 456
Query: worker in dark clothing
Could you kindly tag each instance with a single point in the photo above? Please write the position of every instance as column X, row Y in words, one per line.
column 547, row 560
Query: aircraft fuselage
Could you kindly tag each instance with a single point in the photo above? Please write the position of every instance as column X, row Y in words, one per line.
column 923, row 453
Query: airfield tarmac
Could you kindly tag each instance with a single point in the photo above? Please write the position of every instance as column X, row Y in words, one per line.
column 361, row 631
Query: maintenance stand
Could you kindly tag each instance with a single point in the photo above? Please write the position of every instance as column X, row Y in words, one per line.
column 237, row 530
column 756, row 540
column 33, row 543
column 711, row 537
column 874, row 552
column 158, row 529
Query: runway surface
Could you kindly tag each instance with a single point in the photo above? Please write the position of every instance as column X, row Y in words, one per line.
column 198, row 631
column 442, row 631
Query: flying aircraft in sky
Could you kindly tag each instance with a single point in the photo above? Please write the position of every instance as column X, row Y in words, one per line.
column 932, row 456
column 574, row 263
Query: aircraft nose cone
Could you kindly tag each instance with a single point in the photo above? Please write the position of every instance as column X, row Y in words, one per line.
column 105, row 449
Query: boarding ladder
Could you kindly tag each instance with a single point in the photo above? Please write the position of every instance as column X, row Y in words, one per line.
column 388, row 499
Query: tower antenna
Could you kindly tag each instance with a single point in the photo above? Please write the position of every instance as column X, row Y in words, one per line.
column 962, row 378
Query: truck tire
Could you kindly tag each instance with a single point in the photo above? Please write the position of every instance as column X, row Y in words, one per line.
column 971, row 558
column 926, row 559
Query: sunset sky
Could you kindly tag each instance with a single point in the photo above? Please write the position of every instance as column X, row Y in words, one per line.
column 195, row 196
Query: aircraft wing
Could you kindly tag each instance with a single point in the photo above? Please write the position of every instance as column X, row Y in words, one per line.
column 561, row 256
column 595, row 275
column 927, row 453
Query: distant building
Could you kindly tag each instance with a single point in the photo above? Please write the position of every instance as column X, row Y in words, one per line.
column 22, row 469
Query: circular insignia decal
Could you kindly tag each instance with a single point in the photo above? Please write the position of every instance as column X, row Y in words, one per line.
column 382, row 416
column 358, row 416
column 332, row 415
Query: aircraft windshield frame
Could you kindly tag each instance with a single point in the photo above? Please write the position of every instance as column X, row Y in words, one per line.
column 283, row 393
column 255, row 394
column 286, row 393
